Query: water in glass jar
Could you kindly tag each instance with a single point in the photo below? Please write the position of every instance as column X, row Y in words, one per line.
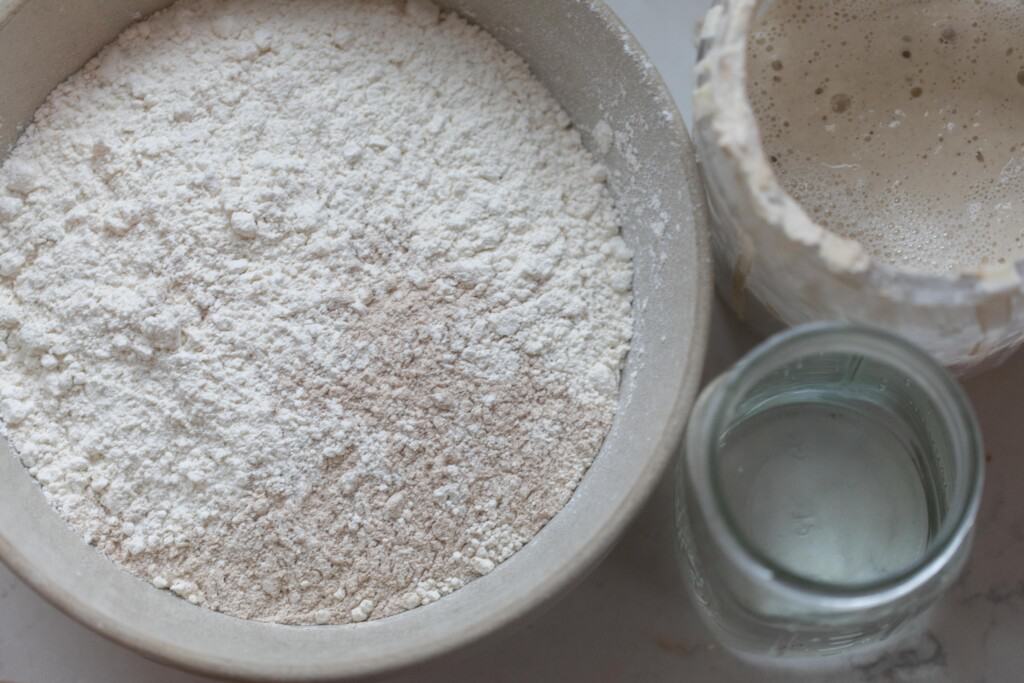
column 830, row 481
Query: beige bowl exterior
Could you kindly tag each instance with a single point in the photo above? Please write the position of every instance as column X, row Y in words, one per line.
column 599, row 73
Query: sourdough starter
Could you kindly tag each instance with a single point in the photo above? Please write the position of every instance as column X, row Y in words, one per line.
column 899, row 124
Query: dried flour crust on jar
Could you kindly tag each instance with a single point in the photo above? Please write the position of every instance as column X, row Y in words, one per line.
column 312, row 312
column 865, row 161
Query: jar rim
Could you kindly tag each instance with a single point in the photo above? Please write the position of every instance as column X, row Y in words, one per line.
column 921, row 368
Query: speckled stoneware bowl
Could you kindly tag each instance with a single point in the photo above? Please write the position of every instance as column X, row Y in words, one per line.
column 599, row 73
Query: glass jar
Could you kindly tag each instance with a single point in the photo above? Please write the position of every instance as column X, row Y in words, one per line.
column 775, row 264
column 827, row 493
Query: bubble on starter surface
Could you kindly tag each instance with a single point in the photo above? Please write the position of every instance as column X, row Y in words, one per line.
column 898, row 123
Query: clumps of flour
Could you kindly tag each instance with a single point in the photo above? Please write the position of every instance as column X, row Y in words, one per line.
column 311, row 311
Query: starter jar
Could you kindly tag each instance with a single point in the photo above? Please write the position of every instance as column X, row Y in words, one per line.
column 779, row 266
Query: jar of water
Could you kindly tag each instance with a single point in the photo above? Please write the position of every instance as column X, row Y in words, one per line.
column 827, row 492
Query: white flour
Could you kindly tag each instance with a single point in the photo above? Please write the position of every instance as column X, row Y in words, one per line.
column 312, row 311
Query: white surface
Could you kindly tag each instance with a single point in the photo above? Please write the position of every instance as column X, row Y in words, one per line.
column 630, row 620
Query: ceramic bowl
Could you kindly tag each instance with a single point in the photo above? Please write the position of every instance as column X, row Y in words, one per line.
column 603, row 79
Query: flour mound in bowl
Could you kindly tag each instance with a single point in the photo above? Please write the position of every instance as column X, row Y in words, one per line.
column 312, row 312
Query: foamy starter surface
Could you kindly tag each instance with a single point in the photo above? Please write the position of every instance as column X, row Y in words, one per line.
column 900, row 125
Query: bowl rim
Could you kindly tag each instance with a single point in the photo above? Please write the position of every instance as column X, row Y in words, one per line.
column 576, row 567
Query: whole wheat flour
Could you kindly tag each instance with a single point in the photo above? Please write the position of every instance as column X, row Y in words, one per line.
column 312, row 311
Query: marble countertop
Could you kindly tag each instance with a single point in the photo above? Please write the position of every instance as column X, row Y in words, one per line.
column 630, row 620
